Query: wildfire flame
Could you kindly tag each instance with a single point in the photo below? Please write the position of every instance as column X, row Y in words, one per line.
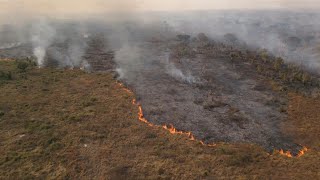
column 288, row 153
column 173, row 130
column 169, row 128
column 126, row 89
column 140, row 114
column 302, row 151
column 191, row 137
column 285, row 153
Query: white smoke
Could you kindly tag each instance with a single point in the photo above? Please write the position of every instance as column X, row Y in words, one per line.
column 40, row 53
column 176, row 73
column 120, row 72
column 75, row 53
column 268, row 30
column 275, row 31
column 63, row 43
column 129, row 59
column 42, row 35
column 10, row 45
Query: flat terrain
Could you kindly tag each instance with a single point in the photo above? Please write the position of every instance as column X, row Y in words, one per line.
column 211, row 90
column 68, row 124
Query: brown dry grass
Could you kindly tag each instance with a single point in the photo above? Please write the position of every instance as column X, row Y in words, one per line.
column 304, row 120
column 66, row 124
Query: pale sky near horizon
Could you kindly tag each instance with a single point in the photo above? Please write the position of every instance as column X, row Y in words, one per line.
column 88, row 6
column 12, row 10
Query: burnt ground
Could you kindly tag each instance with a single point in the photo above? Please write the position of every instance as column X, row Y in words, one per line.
column 202, row 87
column 16, row 52
column 216, row 99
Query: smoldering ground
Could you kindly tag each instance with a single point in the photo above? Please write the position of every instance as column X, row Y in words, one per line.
column 214, row 97
column 291, row 35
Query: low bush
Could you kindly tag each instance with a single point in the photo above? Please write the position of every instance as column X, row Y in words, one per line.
column 24, row 64
column 5, row 75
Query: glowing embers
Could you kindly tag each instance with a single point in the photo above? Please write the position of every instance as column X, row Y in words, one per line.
column 288, row 153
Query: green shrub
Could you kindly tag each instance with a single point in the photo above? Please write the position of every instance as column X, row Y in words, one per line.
column 1, row 113
column 22, row 65
column 5, row 75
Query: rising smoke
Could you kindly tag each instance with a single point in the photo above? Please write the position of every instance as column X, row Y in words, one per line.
column 293, row 35
column 61, row 33
column 42, row 37
column 176, row 73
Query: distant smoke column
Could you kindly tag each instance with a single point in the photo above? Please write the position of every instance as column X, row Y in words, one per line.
column 75, row 53
column 42, row 35
column 40, row 53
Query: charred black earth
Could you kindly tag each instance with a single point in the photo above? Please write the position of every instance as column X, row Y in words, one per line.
column 210, row 89
column 215, row 98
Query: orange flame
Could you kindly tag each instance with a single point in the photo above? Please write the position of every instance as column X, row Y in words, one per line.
column 170, row 128
column 288, row 153
column 173, row 130
column 140, row 114
column 126, row 89
column 302, row 151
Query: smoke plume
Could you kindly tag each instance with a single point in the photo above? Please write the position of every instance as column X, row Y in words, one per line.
column 41, row 38
column 58, row 30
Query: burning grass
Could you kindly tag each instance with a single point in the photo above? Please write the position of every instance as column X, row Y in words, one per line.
column 69, row 124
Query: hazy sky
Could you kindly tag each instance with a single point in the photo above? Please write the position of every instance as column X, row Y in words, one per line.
column 229, row 4
column 107, row 5
column 10, row 9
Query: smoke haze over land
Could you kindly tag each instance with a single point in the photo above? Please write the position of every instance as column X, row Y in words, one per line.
column 102, row 6
column 291, row 35
column 18, row 11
